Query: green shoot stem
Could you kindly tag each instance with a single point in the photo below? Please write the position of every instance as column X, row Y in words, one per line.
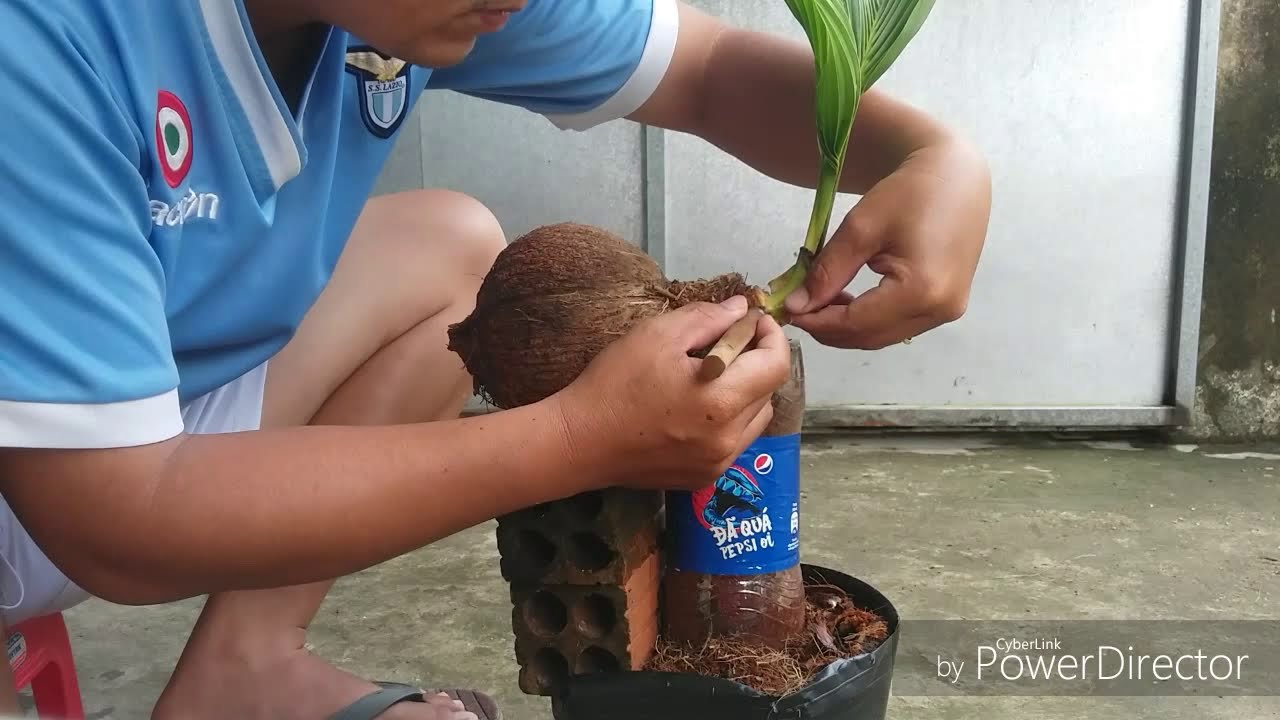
column 819, row 221
column 824, row 200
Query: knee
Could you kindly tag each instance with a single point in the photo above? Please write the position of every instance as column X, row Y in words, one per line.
column 469, row 236
column 479, row 233
column 424, row 251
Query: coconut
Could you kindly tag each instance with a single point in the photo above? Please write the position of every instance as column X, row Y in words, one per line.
column 556, row 297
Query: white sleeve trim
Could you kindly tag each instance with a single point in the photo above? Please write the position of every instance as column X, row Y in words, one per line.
column 230, row 41
column 659, row 48
column 122, row 424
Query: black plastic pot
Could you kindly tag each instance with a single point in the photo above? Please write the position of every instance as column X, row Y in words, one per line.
column 852, row 689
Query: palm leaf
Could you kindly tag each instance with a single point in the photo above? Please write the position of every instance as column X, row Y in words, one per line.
column 854, row 42
column 890, row 26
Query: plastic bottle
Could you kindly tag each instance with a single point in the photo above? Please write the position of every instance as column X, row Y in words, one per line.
column 733, row 547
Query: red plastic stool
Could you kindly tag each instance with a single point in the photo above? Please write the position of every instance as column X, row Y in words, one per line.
column 40, row 655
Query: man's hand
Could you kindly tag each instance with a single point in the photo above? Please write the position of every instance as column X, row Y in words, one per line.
column 922, row 228
column 926, row 199
column 642, row 414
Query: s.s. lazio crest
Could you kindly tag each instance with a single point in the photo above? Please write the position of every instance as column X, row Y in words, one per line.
column 382, row 84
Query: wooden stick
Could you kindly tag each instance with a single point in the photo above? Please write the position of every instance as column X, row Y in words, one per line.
column 730, row 345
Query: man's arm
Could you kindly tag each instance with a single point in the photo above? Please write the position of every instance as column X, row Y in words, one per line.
column 202, row 513
column 205, row 513
column 922, row 221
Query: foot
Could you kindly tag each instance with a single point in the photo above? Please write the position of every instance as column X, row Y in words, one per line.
column 294, row 686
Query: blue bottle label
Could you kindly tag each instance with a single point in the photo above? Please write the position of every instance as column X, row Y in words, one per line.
column 748, row 521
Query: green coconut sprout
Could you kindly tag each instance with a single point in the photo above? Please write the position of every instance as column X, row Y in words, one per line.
column 854, row 42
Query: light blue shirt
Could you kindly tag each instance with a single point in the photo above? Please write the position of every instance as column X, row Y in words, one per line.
column 166, row 221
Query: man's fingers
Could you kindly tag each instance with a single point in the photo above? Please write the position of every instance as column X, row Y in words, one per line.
column 871, row 321
column 888, row 314
column 700, row 325
column 764, row 367
column 760, row 420
column 850, row 246
column 769, row 336
column 828, row 326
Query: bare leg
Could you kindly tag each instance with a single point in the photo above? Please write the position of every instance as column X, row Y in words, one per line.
column 372, row 350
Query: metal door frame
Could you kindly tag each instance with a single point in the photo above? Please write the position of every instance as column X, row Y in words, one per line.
column 1193, row 207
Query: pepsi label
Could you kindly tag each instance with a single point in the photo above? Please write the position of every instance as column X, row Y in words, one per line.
column 748, row 521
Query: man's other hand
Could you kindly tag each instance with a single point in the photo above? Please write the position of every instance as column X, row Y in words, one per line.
column 922, row 229
column 642, row 413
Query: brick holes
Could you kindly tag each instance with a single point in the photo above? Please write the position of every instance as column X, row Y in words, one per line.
column 545, row 614
column 594, row 616
column 589, row 552
column 596, row 660
column 548, row 670
column 528, row 550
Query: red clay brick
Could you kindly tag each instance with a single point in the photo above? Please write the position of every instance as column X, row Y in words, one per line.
column 562, row 630
column 593, row 538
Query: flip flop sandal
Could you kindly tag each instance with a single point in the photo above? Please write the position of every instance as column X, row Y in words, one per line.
column 482, row 705
column 375, row 703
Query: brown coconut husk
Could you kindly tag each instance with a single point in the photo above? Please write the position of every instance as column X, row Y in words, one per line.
column 835, row 628
column 555, row 298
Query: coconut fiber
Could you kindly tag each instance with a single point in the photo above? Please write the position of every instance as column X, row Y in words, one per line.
column 555, row 298
column 835, row 629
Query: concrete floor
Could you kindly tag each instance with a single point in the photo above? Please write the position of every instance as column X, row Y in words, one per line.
column 960, row 528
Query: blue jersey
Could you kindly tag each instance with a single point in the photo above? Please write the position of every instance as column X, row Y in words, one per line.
column 167, row 220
